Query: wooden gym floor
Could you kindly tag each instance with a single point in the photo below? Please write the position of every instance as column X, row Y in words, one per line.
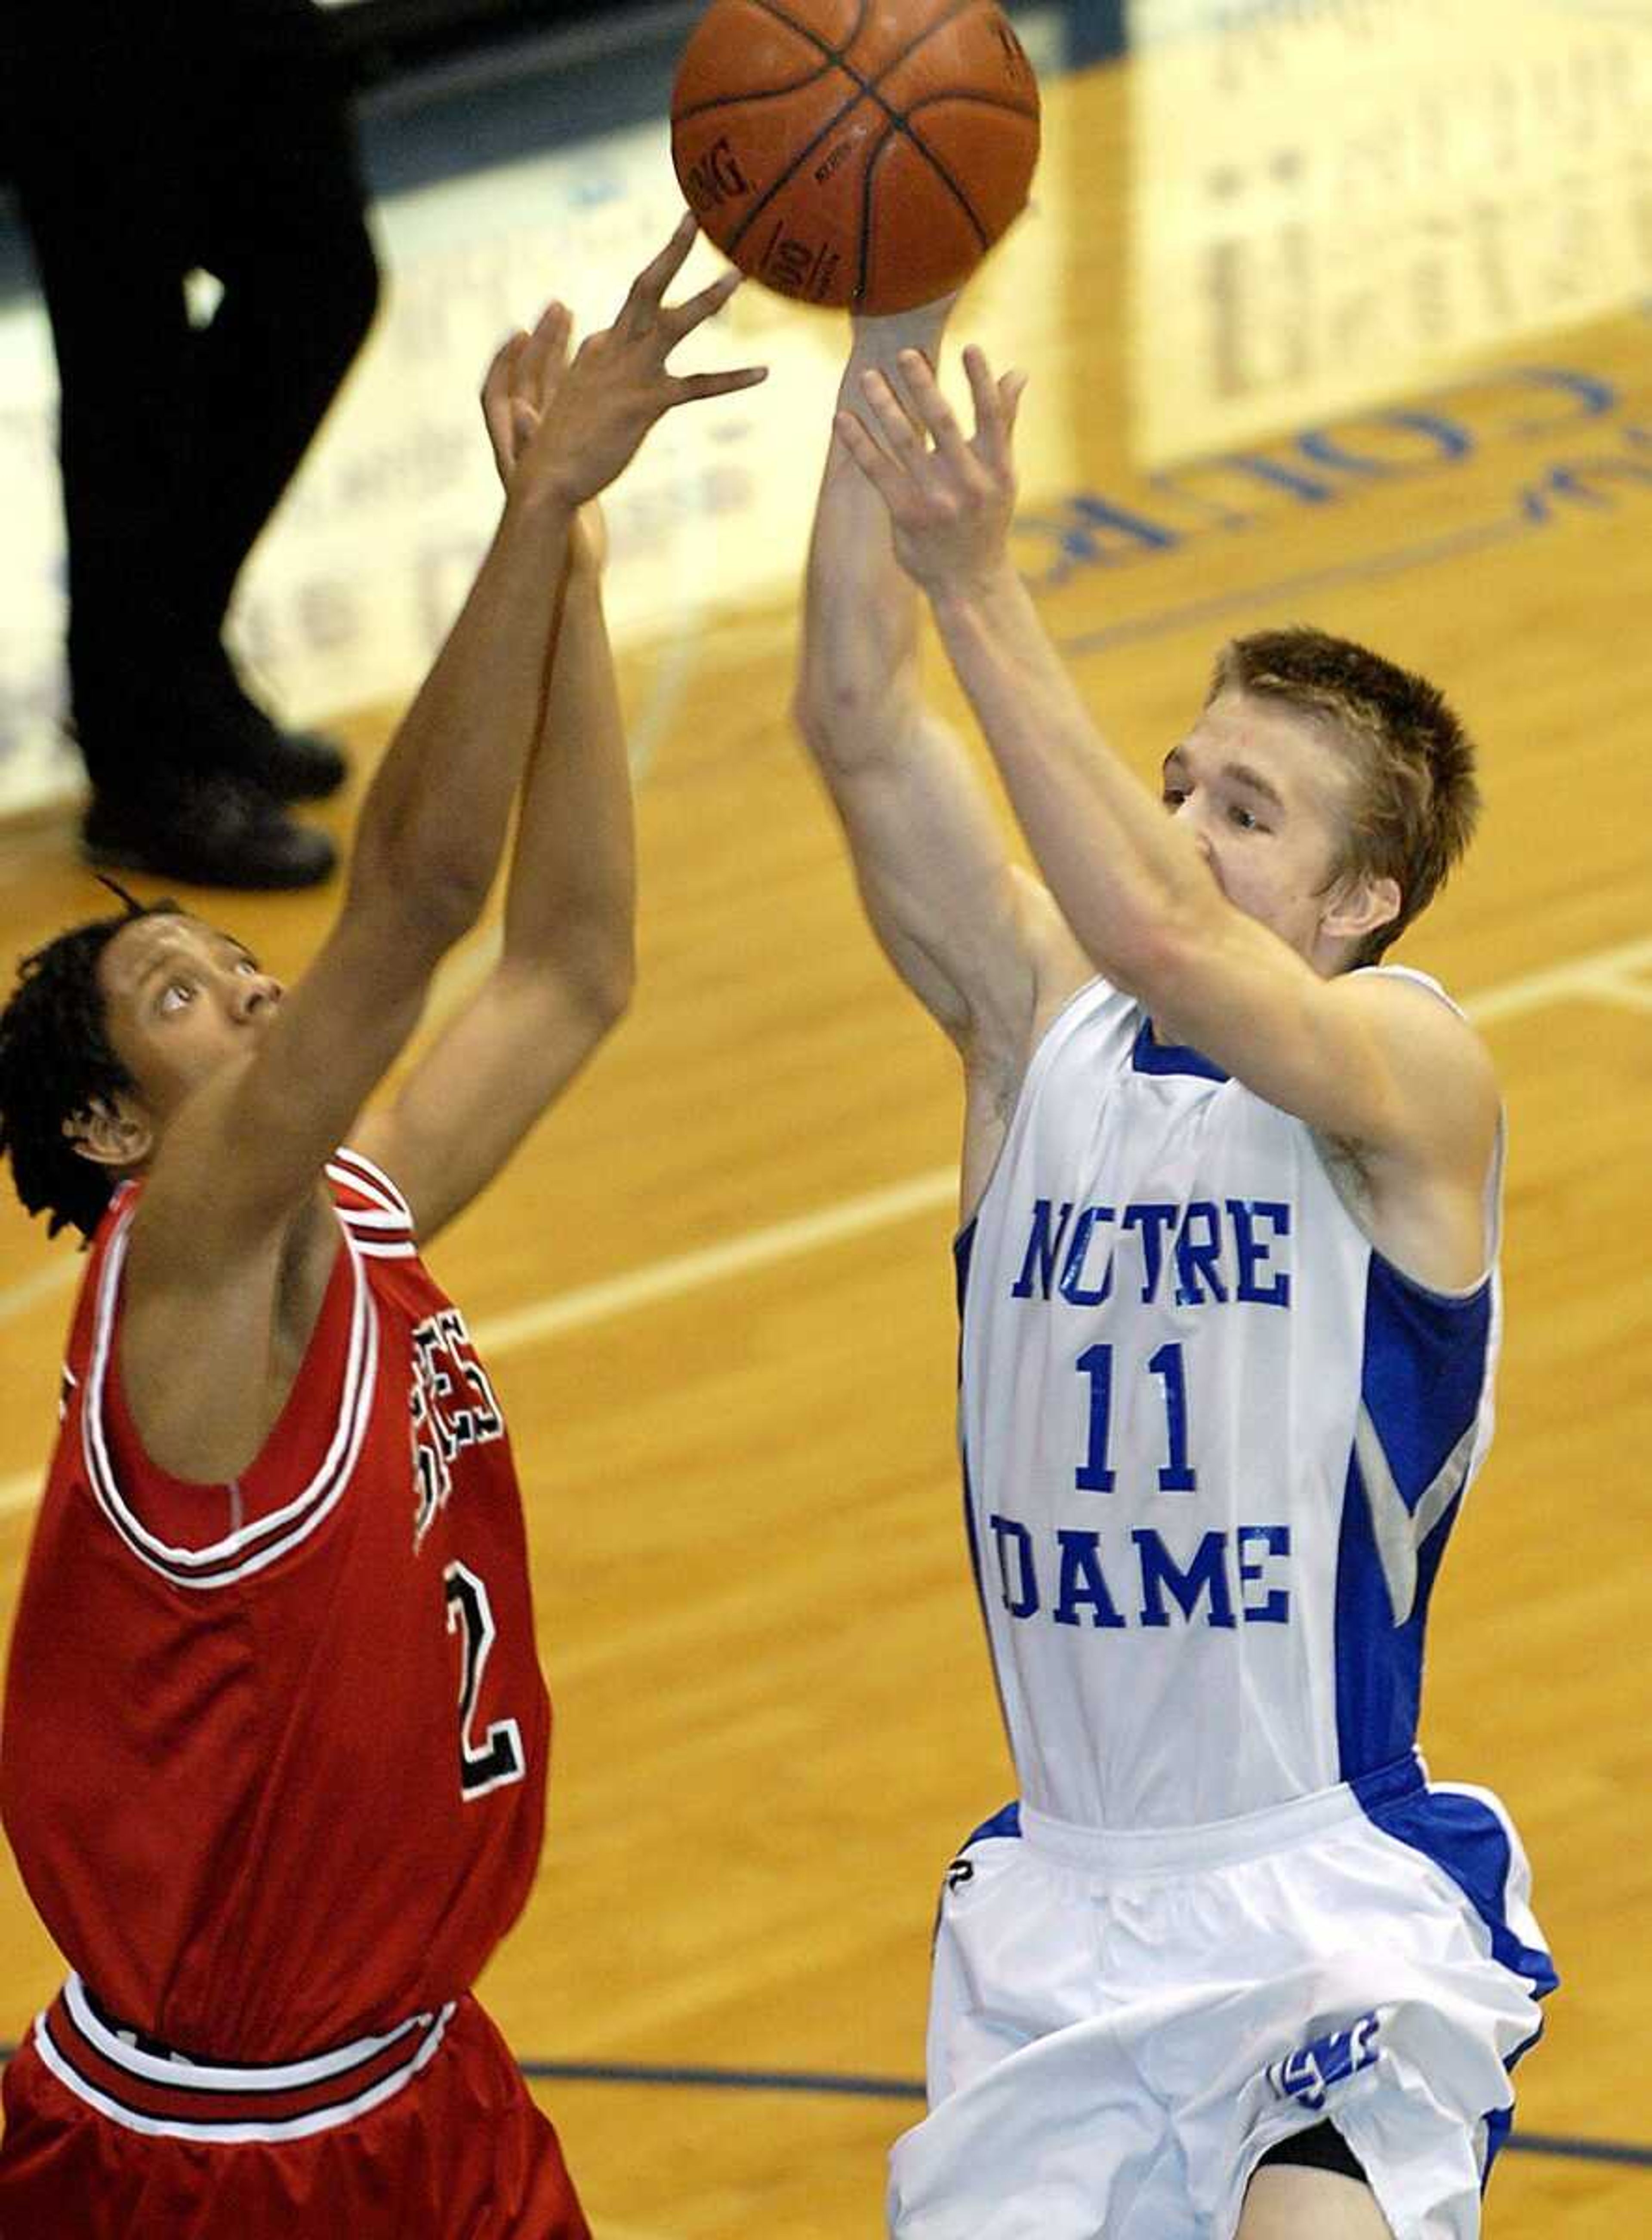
column 715, row 1289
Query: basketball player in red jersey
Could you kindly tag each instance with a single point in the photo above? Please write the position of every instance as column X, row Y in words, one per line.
column 281, row 1532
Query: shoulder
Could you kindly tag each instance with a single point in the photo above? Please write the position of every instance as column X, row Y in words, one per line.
column 1420, row 1021
column 1446, row 1112
column 371, row 1210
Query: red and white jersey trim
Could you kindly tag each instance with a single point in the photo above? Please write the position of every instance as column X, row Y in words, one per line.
column 171, row 2096
column 385, row 1233
column 252, row 1547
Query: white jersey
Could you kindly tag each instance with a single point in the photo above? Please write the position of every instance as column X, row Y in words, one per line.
column 1214, row 1442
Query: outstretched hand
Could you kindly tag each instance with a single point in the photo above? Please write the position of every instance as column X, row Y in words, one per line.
column 570, row 426
column 521, row 383
column 950, row 498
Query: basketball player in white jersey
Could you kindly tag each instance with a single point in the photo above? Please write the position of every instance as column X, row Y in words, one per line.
column 1232, row 1965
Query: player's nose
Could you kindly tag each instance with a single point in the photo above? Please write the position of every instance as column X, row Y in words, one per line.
column 255, row 993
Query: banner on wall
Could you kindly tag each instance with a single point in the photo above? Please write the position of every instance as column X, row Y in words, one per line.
column 1335, row 200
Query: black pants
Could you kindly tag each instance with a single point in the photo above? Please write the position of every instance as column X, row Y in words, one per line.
column 148, row 138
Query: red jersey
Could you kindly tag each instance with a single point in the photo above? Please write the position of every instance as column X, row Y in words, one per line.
column 273, row 1754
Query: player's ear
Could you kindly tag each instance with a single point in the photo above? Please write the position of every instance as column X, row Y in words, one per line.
column 110, row 1131
column 1359, row 904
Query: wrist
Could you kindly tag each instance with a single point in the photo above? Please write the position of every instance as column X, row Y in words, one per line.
column 876, row 340
column 982, row 589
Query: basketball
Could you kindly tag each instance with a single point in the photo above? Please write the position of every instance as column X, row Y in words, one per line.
column 861, row 154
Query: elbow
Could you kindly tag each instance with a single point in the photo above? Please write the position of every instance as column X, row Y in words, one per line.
column 610, row 990
column 1156, row 954
column 439, row 900
column 820, row 714
column 596, row 982
column 844, row 702
column 846, row 726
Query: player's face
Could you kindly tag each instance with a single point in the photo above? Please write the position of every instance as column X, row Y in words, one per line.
column 181, row 999
column 1266, row 798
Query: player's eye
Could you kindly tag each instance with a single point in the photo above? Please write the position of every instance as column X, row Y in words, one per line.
column 248, row 964
column 175, row 995
column 1246, row 819
column 1174, row 796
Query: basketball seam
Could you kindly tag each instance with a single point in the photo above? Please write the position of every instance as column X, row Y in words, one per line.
column 744, row 100
column 866, row 90
column 868, row 177
column 902, row 125
column 829, row 62
column 807, row 30
column 935, row 162
column 977, row 100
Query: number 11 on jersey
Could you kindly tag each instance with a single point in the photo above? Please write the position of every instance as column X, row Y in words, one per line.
column 1095, row 1474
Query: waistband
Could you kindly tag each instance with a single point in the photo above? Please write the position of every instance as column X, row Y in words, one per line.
column 145, row 2087
column 1124, row 1851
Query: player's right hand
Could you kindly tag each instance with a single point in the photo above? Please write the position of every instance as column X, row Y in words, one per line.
column 604, row 403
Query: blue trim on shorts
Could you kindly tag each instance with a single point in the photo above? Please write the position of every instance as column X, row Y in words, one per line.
column 1467, row 1840
column 1465, row 1837
column 1500, row 2121
column 1007, row 1822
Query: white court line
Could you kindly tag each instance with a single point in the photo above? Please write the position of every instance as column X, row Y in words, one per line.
column 1601, row 977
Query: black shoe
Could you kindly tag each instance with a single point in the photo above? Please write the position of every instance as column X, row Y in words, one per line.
column 288, row 765
column 215, row 832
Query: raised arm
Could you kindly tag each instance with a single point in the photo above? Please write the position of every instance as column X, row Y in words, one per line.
column 1375, row 1063
column 236, row 1175
column 566, row 963
column 978, row 941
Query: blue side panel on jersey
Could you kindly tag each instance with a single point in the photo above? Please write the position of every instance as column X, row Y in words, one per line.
column 1379, row 1665
column 1424, row 1365
column 963, row 1245
column 1007, row 1822
column 1149, row 1056
column 1421, row 1374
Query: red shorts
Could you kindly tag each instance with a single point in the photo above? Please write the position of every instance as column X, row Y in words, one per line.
column 426, row 2133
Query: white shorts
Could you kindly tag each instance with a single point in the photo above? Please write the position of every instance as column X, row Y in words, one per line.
column 1121, row 2025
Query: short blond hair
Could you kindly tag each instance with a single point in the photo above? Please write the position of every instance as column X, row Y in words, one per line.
column 1415, row 800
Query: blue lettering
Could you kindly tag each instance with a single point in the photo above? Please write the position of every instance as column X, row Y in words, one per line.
column 1042, row 1248
column 1193, row 1252
column 1081, row 1582
column 1206, row 1574
column 1022, row 1602
column 1153, row 1221
column 1308, row 2073
column 1445, row 439
column 1273, row 1609
column 1072, row 1286
column 1253, row 1254
column 1595, row 397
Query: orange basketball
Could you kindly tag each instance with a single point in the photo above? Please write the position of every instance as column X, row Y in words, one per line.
column 860, row 153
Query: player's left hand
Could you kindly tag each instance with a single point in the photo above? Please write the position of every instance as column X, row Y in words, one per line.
column 950, row 497
column 518, row 388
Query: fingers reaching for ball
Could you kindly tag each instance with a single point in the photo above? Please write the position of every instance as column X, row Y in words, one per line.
column 572, row 424
column 950, row 497
column 520, row 384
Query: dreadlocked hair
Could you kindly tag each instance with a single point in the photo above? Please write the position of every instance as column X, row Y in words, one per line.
column 55, row 1059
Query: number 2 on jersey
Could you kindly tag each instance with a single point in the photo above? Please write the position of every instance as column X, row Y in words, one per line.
column 498, row 1757
column 1095, row 1474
